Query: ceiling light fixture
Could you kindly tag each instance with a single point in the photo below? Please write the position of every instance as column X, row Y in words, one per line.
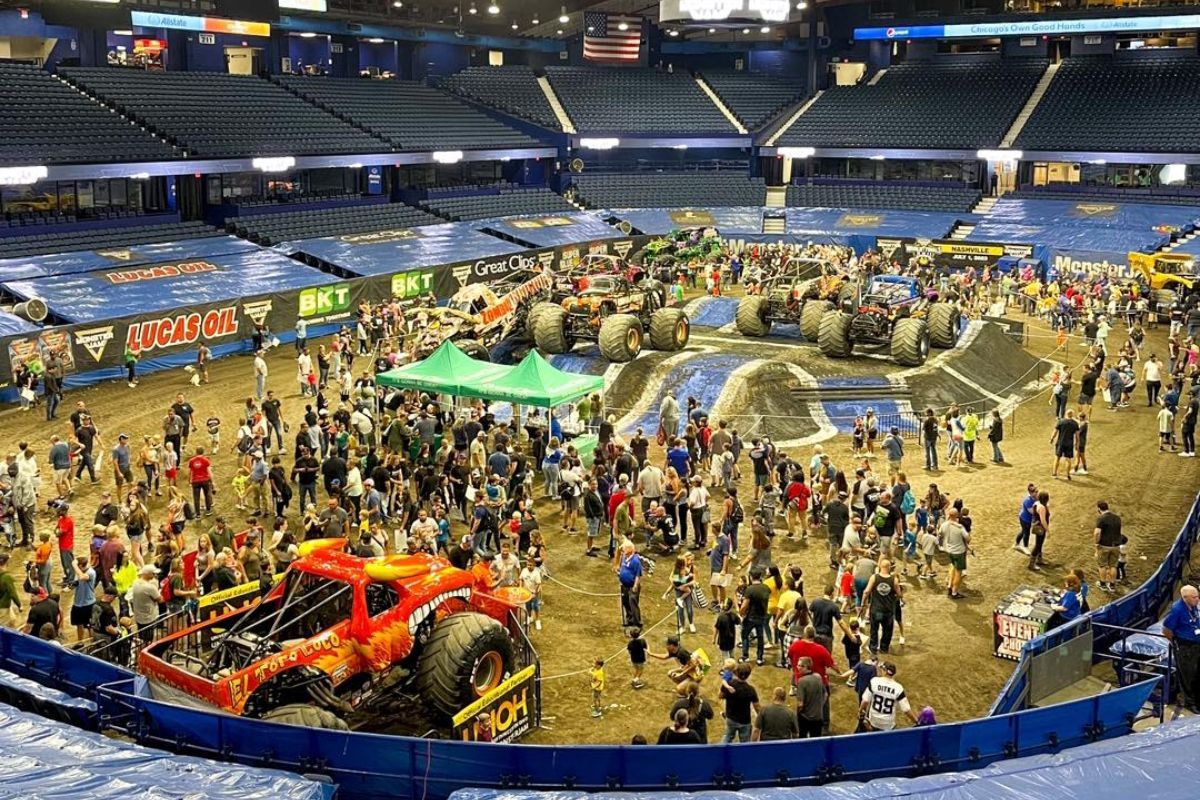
column 712, row 30
column 398, row 4
column 536, row 21
column 375, row 40
column 472, row 10
column 493, row 9
column 801, row 5
column 672, row 33
column 764, row 29
column 308, row 35
column 624, row 26
column 562, row 16
column 558, row 32
column 122, row 33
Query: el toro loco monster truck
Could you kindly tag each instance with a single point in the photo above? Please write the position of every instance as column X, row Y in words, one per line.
column 895, row 311
column 598, row 301
column 799, row 293
column 338, row 631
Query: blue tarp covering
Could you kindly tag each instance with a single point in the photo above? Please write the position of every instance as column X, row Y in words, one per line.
column 546, row 230
column 1095, row 214
column 1191, row 248
column 11, row 323
column 91, row 296
column 427, row 246
column 657, row 221
column 40, row 758
column 842, row 222
column 15, row 269
column 1080, row 238
column 1159, row 763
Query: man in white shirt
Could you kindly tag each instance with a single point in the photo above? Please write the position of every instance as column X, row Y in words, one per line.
column 505, row 565
column 260, row 375
column 304, row 366
column 424, row 529
column 1152, row 376
column 531, row 579
column 650, row 481
column 882, row 698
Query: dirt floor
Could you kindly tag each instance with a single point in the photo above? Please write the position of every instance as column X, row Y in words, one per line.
column 947, row 661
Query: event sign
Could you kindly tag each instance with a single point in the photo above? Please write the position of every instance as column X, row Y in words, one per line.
column 949, row 253
column 511, row 706
column 182, row 22
column 724, row 11
column 1041, row 27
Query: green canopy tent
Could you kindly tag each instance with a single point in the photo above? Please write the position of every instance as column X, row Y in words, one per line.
column 535, row 382
column 447, row 370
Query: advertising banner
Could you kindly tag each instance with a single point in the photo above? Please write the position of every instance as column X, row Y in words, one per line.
column 511, row 707
column 1070, row 262
column 950, row 254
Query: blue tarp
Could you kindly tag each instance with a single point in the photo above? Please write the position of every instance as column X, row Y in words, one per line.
column 549, row 230
column 123, row 291
column 1079, row 238
column 11, row 324
column 398, row 251
column 15, row 269
column 1159, row 763
column 657, row 221
column 40, row 758
column 1191, row 248
column 1095, row 214
column 844, row 222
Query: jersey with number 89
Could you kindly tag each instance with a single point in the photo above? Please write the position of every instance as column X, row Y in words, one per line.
column 884, row 698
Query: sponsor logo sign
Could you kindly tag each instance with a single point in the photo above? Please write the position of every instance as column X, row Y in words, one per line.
column 379, row 237
column 692, row 216
column 182, row 329
column 324, row 301
column 1094, row 209
column 1068, row 264
column 488, row 269
column 94, row 340
column 257, row 310
column 542, row 222
column 407, row 285
column 159, row 272
column 507, row 304
column 511, row 707
column 622, row 247
column 859, row 220
column 1012, row 633
column 123, row 254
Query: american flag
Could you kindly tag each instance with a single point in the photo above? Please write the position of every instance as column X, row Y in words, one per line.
column 603, row 39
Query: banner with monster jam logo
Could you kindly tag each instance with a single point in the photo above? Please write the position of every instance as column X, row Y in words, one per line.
column 947, row 253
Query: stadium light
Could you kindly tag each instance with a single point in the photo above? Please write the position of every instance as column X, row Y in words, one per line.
column 515, row 26
column 624, row 26
column 123, row 33
column 308, row 35
column 764, row 29
column 801, row 5
column 140, row 176
column 562, row 15
column 278, row 164
column 797, row 152
column 602, row 143
column 672, row 33
column 877, row 158
column 493, row 9
column 447, row 156
column 472, row 10
column 375, row 40
column 681, row 147
column 558, row 32
column 999, row 155
column 1097, row 161
column 745, row 30
column 21, row 176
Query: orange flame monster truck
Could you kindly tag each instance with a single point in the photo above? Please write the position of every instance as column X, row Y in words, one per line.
column 339, row 630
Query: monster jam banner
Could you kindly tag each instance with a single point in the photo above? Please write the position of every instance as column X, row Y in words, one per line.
column 511, row 707
column 544, row 222
column 1074, row 262
column 692, row 217
column 950, row 254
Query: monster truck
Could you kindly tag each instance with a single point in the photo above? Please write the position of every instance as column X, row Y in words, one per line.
column 338, row 631
column 608, row 308
column 478, row 317
column 799, row 293
column 895, row 311
column 661, row 257
column 1171, row 276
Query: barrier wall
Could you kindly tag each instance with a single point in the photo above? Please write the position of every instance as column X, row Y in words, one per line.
column 1138, row 609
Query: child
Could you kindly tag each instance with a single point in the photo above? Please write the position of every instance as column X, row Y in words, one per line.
column 1083, row 590
column 921, row 515
column 727, row 668
column 859, row 436
column 927, row 717
column 240, row 482
column 637, row 656
column 725, row 630
column 597, row 673
column 909, row 551
column 1122, row 552
column 853, row 644
column 928, row 544
column 846, row 582
column 1166, row 424
column 213, row 424
column 41, row 557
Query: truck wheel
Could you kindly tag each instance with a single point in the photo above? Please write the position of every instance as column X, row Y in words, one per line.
column 670, row 329
column 306, row 716
column 943, row 325
column 467, row 656
column 847, row 294
column 910, row 342
column 751, row 317
column 474, row 349
column 620, row 338
column 834, row 335
column 549, row 322
column 810, row 318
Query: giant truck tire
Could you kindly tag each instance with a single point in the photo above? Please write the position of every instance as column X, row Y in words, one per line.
column 751, row 316
column 549, row 323
column 621, row 338
column 910, row 342
column 833, row 338
column 943, row 325
column 468, row 655
column 474, row 349
column 306, row 716
column 847, row 294
column 670, row 329
column 811, row 316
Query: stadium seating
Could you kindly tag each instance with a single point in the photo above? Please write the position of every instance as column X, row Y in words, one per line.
column 44, row 121
column 508, row 203
column 270, row 229
column 215, row 115
column 612, row 100
column 513, row 90
column 754, row 97
column 921, row 105
column 1110, row 104
column 47, row 242
column 1158, row 195
column 669, row 190
column 410, row 115
column 952, row 198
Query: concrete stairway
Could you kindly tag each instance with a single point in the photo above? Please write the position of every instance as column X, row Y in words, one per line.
column 560, row 113
column 1027, row 111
